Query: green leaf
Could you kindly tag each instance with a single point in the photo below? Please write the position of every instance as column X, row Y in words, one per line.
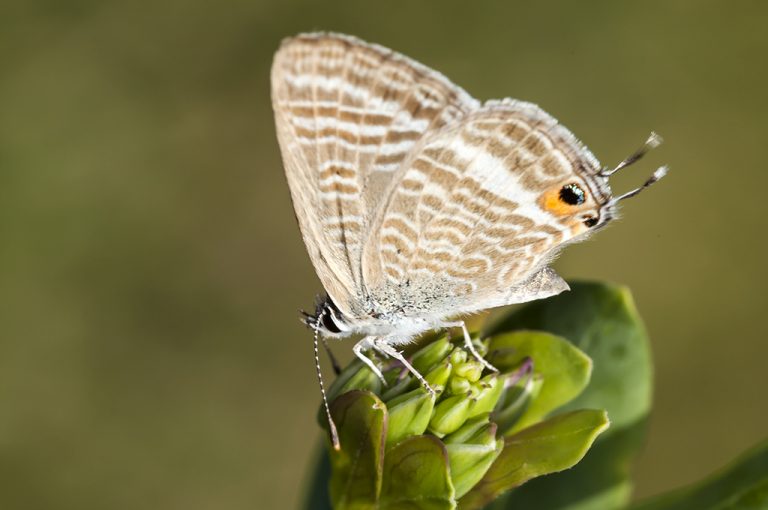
column 741, row 486
column 357, row 467
column 547, row 447
column 417, row 477
column 601, row 320
column 564, row 370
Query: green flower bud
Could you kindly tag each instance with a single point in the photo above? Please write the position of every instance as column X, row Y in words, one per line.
column 402, row 446
column 356, row 376
column 458, row 356
column 398, row 380
column 485, row 435
column 471, row 459
column 409, row 415
column 392, row 375
column 450, row 414
column 491, row 390
column 459, row 385
column 470, row 369
column 438, row 376
column 467, row 431
column 432, row 354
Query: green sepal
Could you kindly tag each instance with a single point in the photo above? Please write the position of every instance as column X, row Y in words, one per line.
column 417, row 476
column 356, row 468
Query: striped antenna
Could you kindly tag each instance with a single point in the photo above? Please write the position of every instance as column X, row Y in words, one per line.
column 653, row 141
column 331, row 424
column 658, row 174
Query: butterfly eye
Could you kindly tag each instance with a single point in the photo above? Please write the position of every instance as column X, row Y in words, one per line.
column 572, row 194
column 590, row 222
column 328, row 323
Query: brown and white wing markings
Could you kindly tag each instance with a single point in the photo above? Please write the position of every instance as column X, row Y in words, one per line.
column 464, row 228
column 347, row 114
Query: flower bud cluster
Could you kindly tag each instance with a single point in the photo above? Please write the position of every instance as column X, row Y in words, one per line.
column 459, row 412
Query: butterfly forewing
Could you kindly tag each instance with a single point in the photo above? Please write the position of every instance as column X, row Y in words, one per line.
column 348, row 114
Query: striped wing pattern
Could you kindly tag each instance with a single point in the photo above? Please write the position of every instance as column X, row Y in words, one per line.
column 465, row 229
column 348, row 114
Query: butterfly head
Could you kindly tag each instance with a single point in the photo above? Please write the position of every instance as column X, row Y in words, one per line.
column 327, row 319
column 585, row 202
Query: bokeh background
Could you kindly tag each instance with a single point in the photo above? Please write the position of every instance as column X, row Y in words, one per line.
column 151, row 270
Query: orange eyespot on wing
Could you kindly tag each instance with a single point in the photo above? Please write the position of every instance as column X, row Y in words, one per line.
column 562, row 201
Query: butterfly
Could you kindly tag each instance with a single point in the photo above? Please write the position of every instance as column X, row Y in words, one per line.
column 416, row 202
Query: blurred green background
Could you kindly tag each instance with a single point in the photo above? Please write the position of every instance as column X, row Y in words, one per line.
column 151, row 269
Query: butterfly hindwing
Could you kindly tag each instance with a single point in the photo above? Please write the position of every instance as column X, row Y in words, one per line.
column 466, row 227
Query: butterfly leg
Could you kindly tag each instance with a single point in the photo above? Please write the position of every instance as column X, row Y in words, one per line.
column 367, row 343
column 329, row 352
column 383, row 347
column 469, row 345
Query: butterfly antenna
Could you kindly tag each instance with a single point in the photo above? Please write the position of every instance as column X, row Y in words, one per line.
column 653, row 141
column 658, row 174
column 331, row 424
